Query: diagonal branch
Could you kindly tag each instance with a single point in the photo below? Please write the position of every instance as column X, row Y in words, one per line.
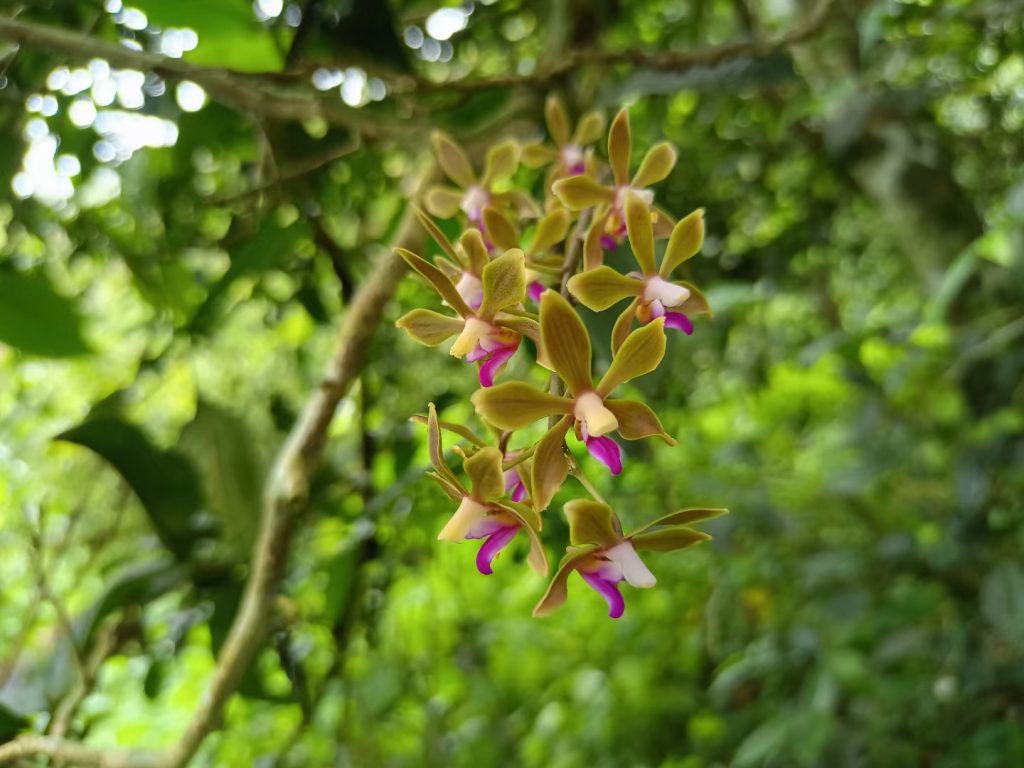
column 286, row 496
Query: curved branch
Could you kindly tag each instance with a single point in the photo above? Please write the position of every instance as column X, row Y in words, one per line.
column 72, row 752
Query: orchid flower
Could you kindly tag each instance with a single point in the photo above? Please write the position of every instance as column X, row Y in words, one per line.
column 463, row 264
column 587, row 406
column 654, row 294
column 550, row 231
column 482, row 512
column 570, row 154
column 604, row 556
column 609, row 224
column 473, row 194
column 488, row 335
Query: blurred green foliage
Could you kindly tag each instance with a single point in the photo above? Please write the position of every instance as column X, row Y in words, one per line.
column 856, row 401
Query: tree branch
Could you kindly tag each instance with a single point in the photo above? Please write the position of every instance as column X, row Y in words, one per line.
column 72, row 752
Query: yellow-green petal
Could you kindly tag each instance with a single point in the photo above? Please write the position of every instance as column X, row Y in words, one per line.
column 485, row 475
column 536, row 154
column 514, row 404
column 528, row 327
column 550, row 230
column 443, row 201
column 637, row 421
column 593, row 252
column 436, row 450
column 504, row 281
column 657, row 164
column 641, row 232
column 502, row 160
column 640, row 353
column 472, row 243
column 623, row 326
column 684, row 517
column 453, row 160
column 589, row 129
column 618, row 147
column 669, row 539
column 685, row 242
column 579, row 192
column 697, row 303
column 538, row 558
column 600, row 288
column 439, row 237
column 557, row 120
column 550, row 467
column 591, row 522
column 429, row 327
column 565, row 341
column 500, row 229
column 438, row 279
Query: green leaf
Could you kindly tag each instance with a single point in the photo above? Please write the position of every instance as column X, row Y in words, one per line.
column 222, row 451
column 164, row 481
column 35, row 318
column 229, row 33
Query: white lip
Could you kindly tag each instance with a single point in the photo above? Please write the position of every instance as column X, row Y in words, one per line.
column 669, row 294
column 633, row 569
column 596, row 419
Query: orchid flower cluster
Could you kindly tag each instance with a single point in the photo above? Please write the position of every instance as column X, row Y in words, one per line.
column 501, row 285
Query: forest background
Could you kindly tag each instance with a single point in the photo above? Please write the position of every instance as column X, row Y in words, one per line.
column 197, row 205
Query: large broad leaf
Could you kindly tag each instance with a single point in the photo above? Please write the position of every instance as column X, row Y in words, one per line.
column 223, row 453
column 35, row 318
column 229, row 33
column 164, row 481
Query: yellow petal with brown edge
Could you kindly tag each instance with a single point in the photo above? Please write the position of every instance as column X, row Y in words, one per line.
column 657, row 164
column 504, row 281
column 438, row 279
column 429, row 327
column 550, row 230
column 557, row 119
column 592, row 522
column 623, row 326
column 472, row 243
column 443, row 201
column 600, row 288
column 485, row 476
column 669, row 539
column 550, row 467
column 565, row 341
column 683, row 517
column 500, row 230
column 618, row 147
column 501, row 163
column 558, row 590
column 640, row 353
column 515, row 404
column 696, row 303
column 684, row 243
column 637, row 421
column 641, row 233
column 579, row 192
column 453, row 160
column 589, row 129
column 537, row 154
column 593, row 252
column 439, row 237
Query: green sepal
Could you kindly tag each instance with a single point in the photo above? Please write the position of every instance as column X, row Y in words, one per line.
column 623, row 326
column 565, row 341
column 600, row 288
column 550, row 466
column 685, row 242
column 557, row 120
column 453, row 160
column 591, row 522
column 618, row 147
column 656, row 165
column 669, row 539
column 457, row 429
column 455, row 493
column 537, row 558
column 500, row 230
column 640, row 353
column 472, row 244
column 683, row 517
column 551, row 230
column 504, row 283
column 485, row 476
column 438, row 279
column 579, row 192
column 439, row 237
column 641, row 232
column 428, row 327
column 502, row 160
column 515, row 404
column 637, row 421
column 436, row 450
column 444, row 202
